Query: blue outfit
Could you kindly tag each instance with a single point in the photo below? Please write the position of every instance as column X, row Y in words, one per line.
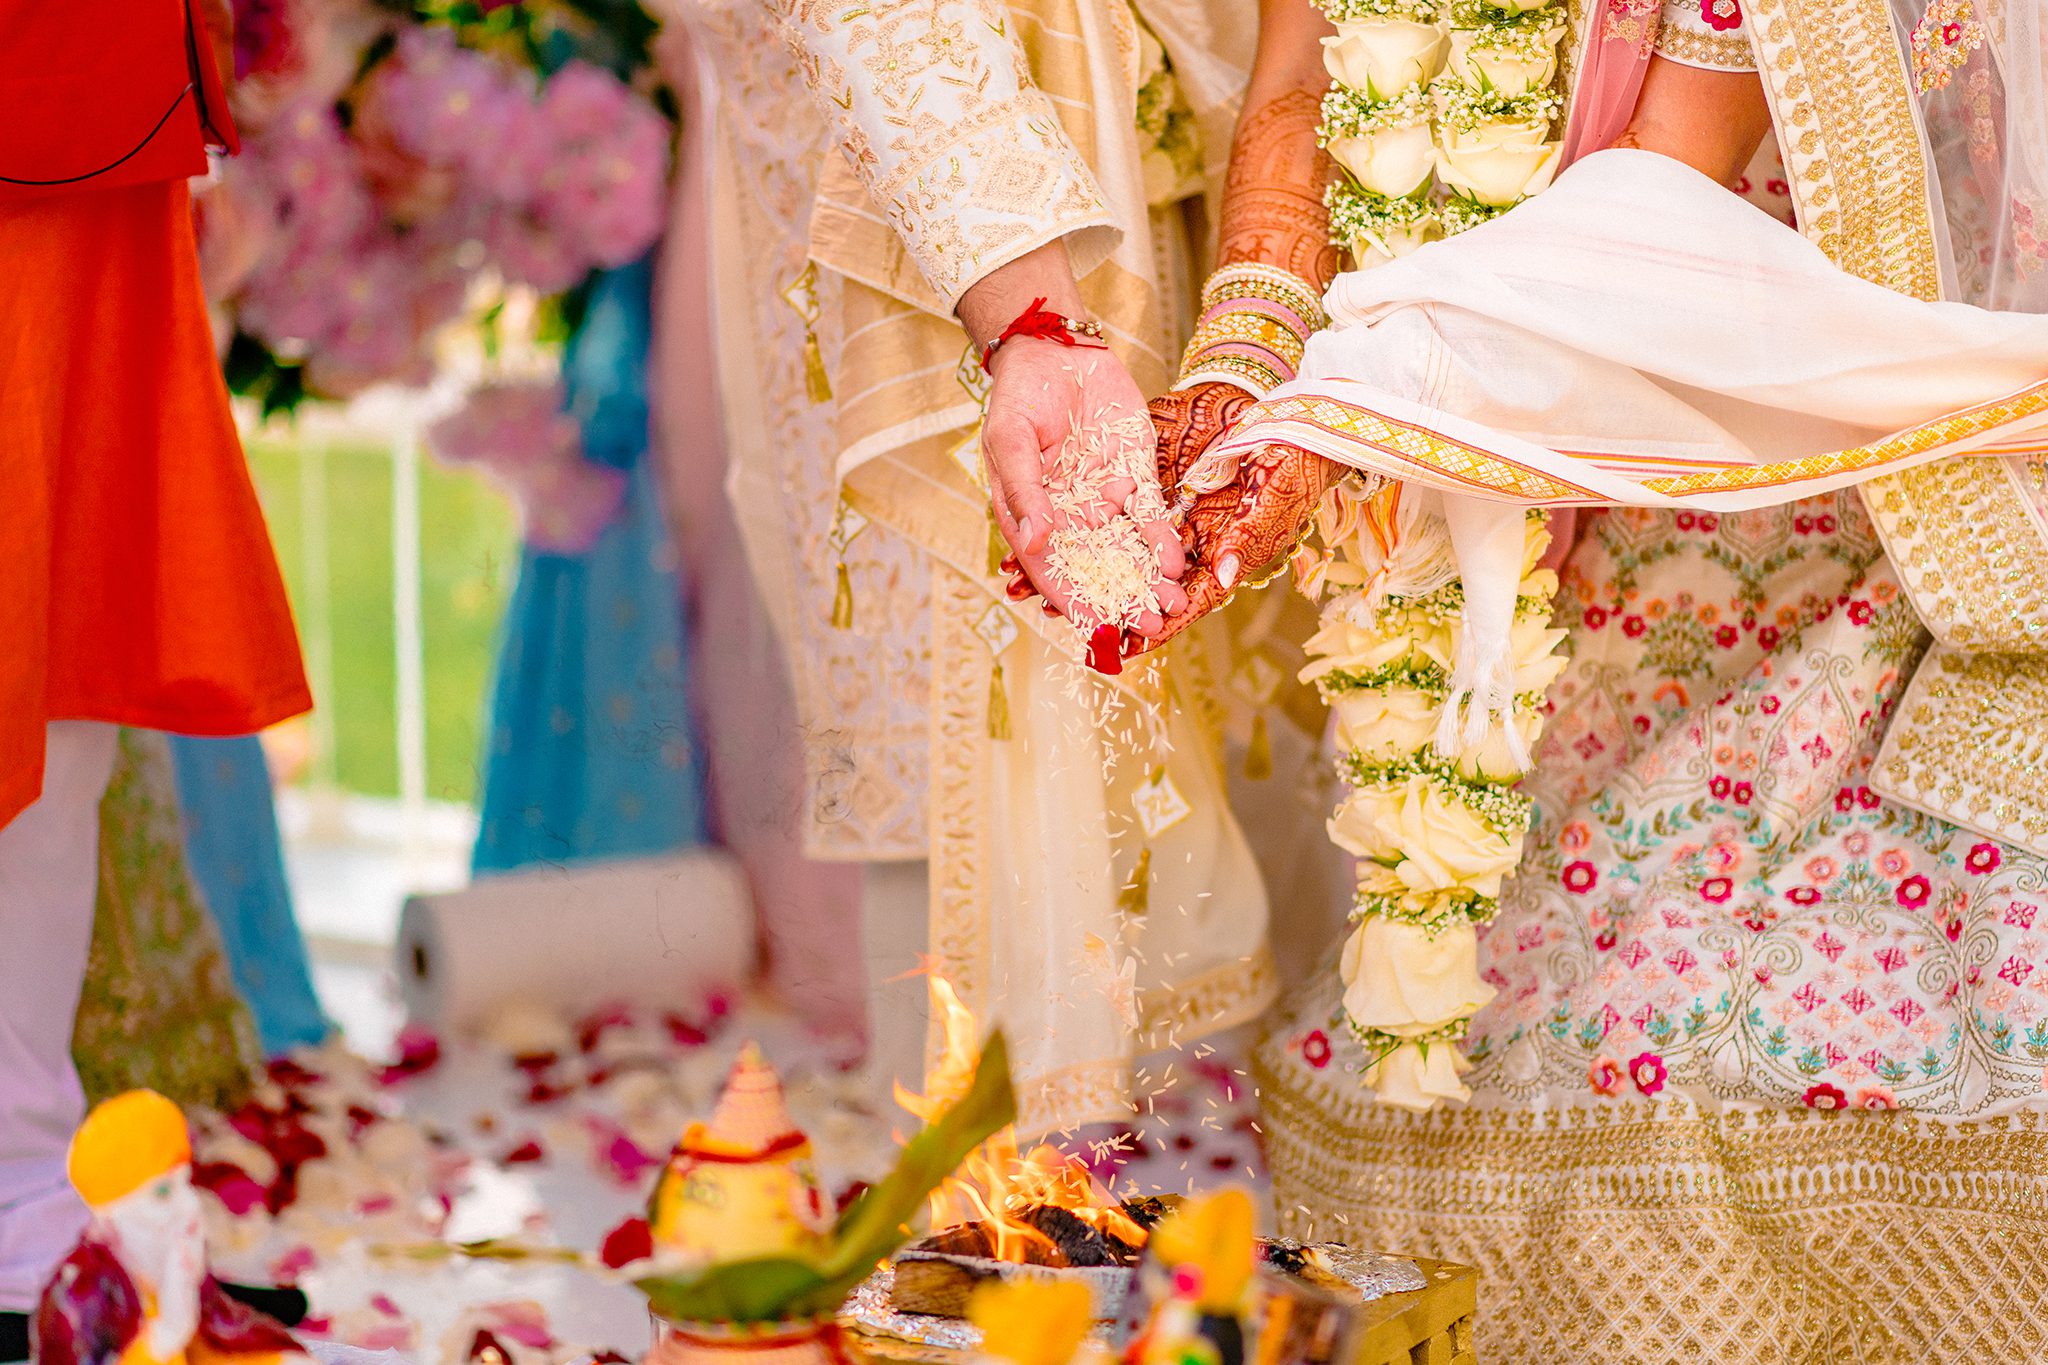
column 592, row 752
column 232, row 847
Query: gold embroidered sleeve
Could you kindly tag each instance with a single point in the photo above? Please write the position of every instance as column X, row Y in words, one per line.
column 934, row 106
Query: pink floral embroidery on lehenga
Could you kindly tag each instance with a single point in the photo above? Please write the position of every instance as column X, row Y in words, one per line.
column 1942, row 43
column 1714, row 901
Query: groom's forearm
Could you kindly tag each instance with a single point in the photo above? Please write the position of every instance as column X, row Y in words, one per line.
column 1273, row 198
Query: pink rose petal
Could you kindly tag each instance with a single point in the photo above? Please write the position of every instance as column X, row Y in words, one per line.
column 618, row 1154
column 233, row 1186
column 289, row 1267
column 392, row 1337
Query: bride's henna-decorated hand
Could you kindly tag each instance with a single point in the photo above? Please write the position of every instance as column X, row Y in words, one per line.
column 1244, row 531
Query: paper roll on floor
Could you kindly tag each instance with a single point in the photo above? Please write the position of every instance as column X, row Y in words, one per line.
column 659, row 933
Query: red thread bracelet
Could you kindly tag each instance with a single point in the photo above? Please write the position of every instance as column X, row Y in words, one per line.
column 1039, row 321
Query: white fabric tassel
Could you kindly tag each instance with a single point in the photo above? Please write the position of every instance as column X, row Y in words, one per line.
column 1487, row 538
column 1418, row 561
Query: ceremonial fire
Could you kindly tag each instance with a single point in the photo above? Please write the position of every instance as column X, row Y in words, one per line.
column 1002, row 1209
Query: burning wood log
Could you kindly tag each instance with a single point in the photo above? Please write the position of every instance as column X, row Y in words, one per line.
column 938, row 1274
column 940, row 1283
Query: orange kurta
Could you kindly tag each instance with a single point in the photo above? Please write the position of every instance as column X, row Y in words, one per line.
column 137, row 581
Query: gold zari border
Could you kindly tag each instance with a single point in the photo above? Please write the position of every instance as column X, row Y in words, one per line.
column 1972, row 557
column 1659, row 1231
column 1711, row 51
column 1843, row 105
column 1411, row 448
column 1971, row 745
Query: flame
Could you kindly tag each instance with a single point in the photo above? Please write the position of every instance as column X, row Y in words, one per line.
column 997, row 1183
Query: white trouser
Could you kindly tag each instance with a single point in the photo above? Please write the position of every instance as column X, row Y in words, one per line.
column 49, row 880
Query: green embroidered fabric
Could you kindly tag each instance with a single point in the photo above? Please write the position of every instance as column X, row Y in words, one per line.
column 160, row 1007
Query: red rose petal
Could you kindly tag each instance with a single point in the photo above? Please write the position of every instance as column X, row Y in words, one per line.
column 630, row 1241
column 1106, row 650
column 525, row 1153
column 685, row 1033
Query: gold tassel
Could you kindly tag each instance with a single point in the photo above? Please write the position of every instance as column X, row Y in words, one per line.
column 998, row 706
column 842, row 600
column 1258, row 752
column 815, row 383
column 1136, row 897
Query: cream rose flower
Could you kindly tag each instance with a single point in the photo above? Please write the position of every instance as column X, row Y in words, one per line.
column 1533, row 647
column 1521, row 6
column 1377, row 246
column 1385, row 722
column 1492, row 758
column 1441, row 844
column 1419, row 1077
column 1505, row 71
column 1401, row 979
column 1344, row 644
column 1497, row 163
column 1359, row 828
column 1383, row 57
column 1392, row 161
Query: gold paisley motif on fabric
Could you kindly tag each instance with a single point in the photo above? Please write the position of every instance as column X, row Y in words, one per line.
column 959, row 944
column 160, row 1009
column 1842, row 99
column 1973, row 551
column 1971, row 745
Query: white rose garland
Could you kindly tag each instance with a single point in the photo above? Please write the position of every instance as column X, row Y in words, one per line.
column 1442, row 117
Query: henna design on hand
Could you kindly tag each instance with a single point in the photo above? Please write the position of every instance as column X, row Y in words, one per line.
column 1257, row 518
column 1273, row 198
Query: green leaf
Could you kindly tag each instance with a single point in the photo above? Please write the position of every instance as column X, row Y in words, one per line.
column 768, row 1289
column 764, row 1289
column 878, row 1222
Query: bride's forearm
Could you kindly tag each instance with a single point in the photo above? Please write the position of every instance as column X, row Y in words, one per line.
column 1713, row 121
column 1273, row 199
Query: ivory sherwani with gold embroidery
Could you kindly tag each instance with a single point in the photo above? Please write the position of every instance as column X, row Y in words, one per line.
column 1089, row 889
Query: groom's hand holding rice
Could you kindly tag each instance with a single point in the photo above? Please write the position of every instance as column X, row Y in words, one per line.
column 1055, row 382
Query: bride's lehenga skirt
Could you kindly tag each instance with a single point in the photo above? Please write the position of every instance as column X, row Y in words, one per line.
column 1763, row 1080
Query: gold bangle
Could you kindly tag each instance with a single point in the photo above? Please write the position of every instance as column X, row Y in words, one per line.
column 1253, row 329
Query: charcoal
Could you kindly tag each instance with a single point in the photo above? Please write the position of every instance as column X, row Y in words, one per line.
column 1080, row 1243
column 1147, row 1211
column 1287, row 1257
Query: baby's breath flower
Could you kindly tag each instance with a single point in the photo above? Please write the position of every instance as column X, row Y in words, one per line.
column 1459, row 213
column 1358, row 11
column 1433, row 912
column 1500, row 807
column 1350, row 113
column 1464, row 108
column 1354, row 212
column 1483, row 14
column 1424, row 675
column 1379, row 1043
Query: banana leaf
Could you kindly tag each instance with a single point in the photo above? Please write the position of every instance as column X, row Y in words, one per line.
column 773, row 1288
